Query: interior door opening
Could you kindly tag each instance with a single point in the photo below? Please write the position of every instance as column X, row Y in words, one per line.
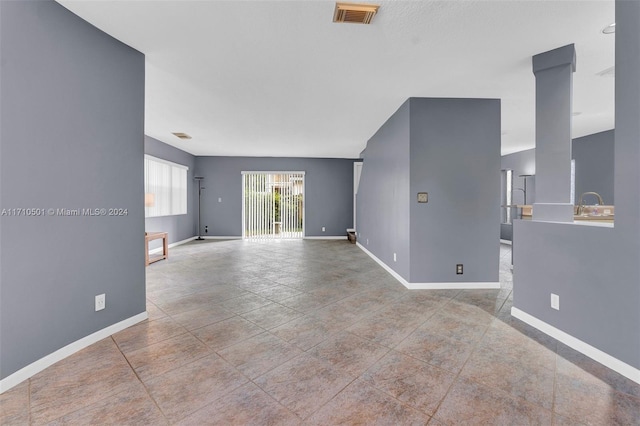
column 272, row 205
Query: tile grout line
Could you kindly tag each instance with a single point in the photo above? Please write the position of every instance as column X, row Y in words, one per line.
column 140, row 381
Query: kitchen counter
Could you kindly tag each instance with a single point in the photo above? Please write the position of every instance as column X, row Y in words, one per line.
column 600, row 214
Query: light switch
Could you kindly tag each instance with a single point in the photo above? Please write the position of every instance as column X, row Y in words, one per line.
column 423, row 197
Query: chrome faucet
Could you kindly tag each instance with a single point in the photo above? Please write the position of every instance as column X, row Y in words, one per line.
column 581, row 203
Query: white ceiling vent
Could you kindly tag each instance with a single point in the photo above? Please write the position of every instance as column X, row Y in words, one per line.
column 182, row 135
column 609, row 72
column 355, row 13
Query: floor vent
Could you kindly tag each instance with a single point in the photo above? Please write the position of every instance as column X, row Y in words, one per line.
column 354, row 13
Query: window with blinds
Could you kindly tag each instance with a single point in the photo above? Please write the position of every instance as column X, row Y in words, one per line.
column 165, row 187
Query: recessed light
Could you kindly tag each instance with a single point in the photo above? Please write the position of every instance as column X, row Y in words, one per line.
column 609, row 29
column 181, row 135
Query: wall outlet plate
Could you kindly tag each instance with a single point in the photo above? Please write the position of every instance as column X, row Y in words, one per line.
column 555, row 301
column 100, row 302
column 459, row 269
column 395, row 259
column 423, row 197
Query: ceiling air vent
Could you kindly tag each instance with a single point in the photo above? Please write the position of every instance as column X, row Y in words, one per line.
column 182, row 135
column 354, row 13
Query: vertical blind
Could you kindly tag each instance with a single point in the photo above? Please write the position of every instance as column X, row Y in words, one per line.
column 273, row 205
column 165, row 187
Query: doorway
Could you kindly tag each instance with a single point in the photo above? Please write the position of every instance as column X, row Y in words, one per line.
column 272, row 205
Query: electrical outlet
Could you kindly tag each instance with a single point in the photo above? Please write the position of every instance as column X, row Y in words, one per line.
column 219, row 199
column 555, row 301
column 100, row 302
column 395, row 259
column 206, row 229
column 459, row 269
column 367, row 241
column 323, row 229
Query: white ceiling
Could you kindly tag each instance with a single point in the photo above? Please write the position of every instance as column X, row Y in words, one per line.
column 279, row 78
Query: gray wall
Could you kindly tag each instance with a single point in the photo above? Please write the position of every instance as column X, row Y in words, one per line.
column 383, row 209
column 594, row 155
column 595, row 271
column 328, row 196
column 72, row 112
column 455, row 157
column 179, row 227
column 449, row 148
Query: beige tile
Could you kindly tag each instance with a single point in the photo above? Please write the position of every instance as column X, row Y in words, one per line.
column 190, row 387
column 303, row 384
column 410, row 381
column 388, row 327
column 360, row 404
column 528, row 378
column 202, row 299
column 305, row 332
column 271, row 316
column 147, row 333
column 436, row 350
column 80, row 380
column 452, row 326
column 470, row 403
column 349, row 353
column 278, row 293
column 154, row 360
column 132, row 406
column 248, row 405
column 259, row 354
column 228, row 332
column 14, row 405
column 153, row 312
column 202, row 317
column 571, row 361
column 245, row 303
column 586, row 398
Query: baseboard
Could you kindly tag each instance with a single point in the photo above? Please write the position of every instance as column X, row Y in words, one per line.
column 463, row 285
column 220, row 238
column 603, row 358
column 62, row 353
column 332, row 237
column 507, row 242
column 159, row 249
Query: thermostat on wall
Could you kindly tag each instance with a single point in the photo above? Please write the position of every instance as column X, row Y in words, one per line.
column 423, row 197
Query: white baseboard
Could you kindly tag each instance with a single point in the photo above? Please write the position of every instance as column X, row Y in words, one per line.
column 159, row 249
column 596, row 354
column 507, row 242
column 62, row 353
column 331, row 237
column 220, row 238
column 463, row 285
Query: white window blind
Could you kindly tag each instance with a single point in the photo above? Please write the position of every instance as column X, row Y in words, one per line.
column 165, row 187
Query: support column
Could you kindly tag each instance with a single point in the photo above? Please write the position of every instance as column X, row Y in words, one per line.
column 627, row 134
column 554, row 91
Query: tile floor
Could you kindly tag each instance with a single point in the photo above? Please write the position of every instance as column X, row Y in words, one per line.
column 314, row 332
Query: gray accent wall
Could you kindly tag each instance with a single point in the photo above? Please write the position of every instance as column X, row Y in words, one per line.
column 179, row 227
column 595, row 271
column 449, row 148
column 594, row 156
column 72, row 113
column 328, row 192
column 383, row 209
